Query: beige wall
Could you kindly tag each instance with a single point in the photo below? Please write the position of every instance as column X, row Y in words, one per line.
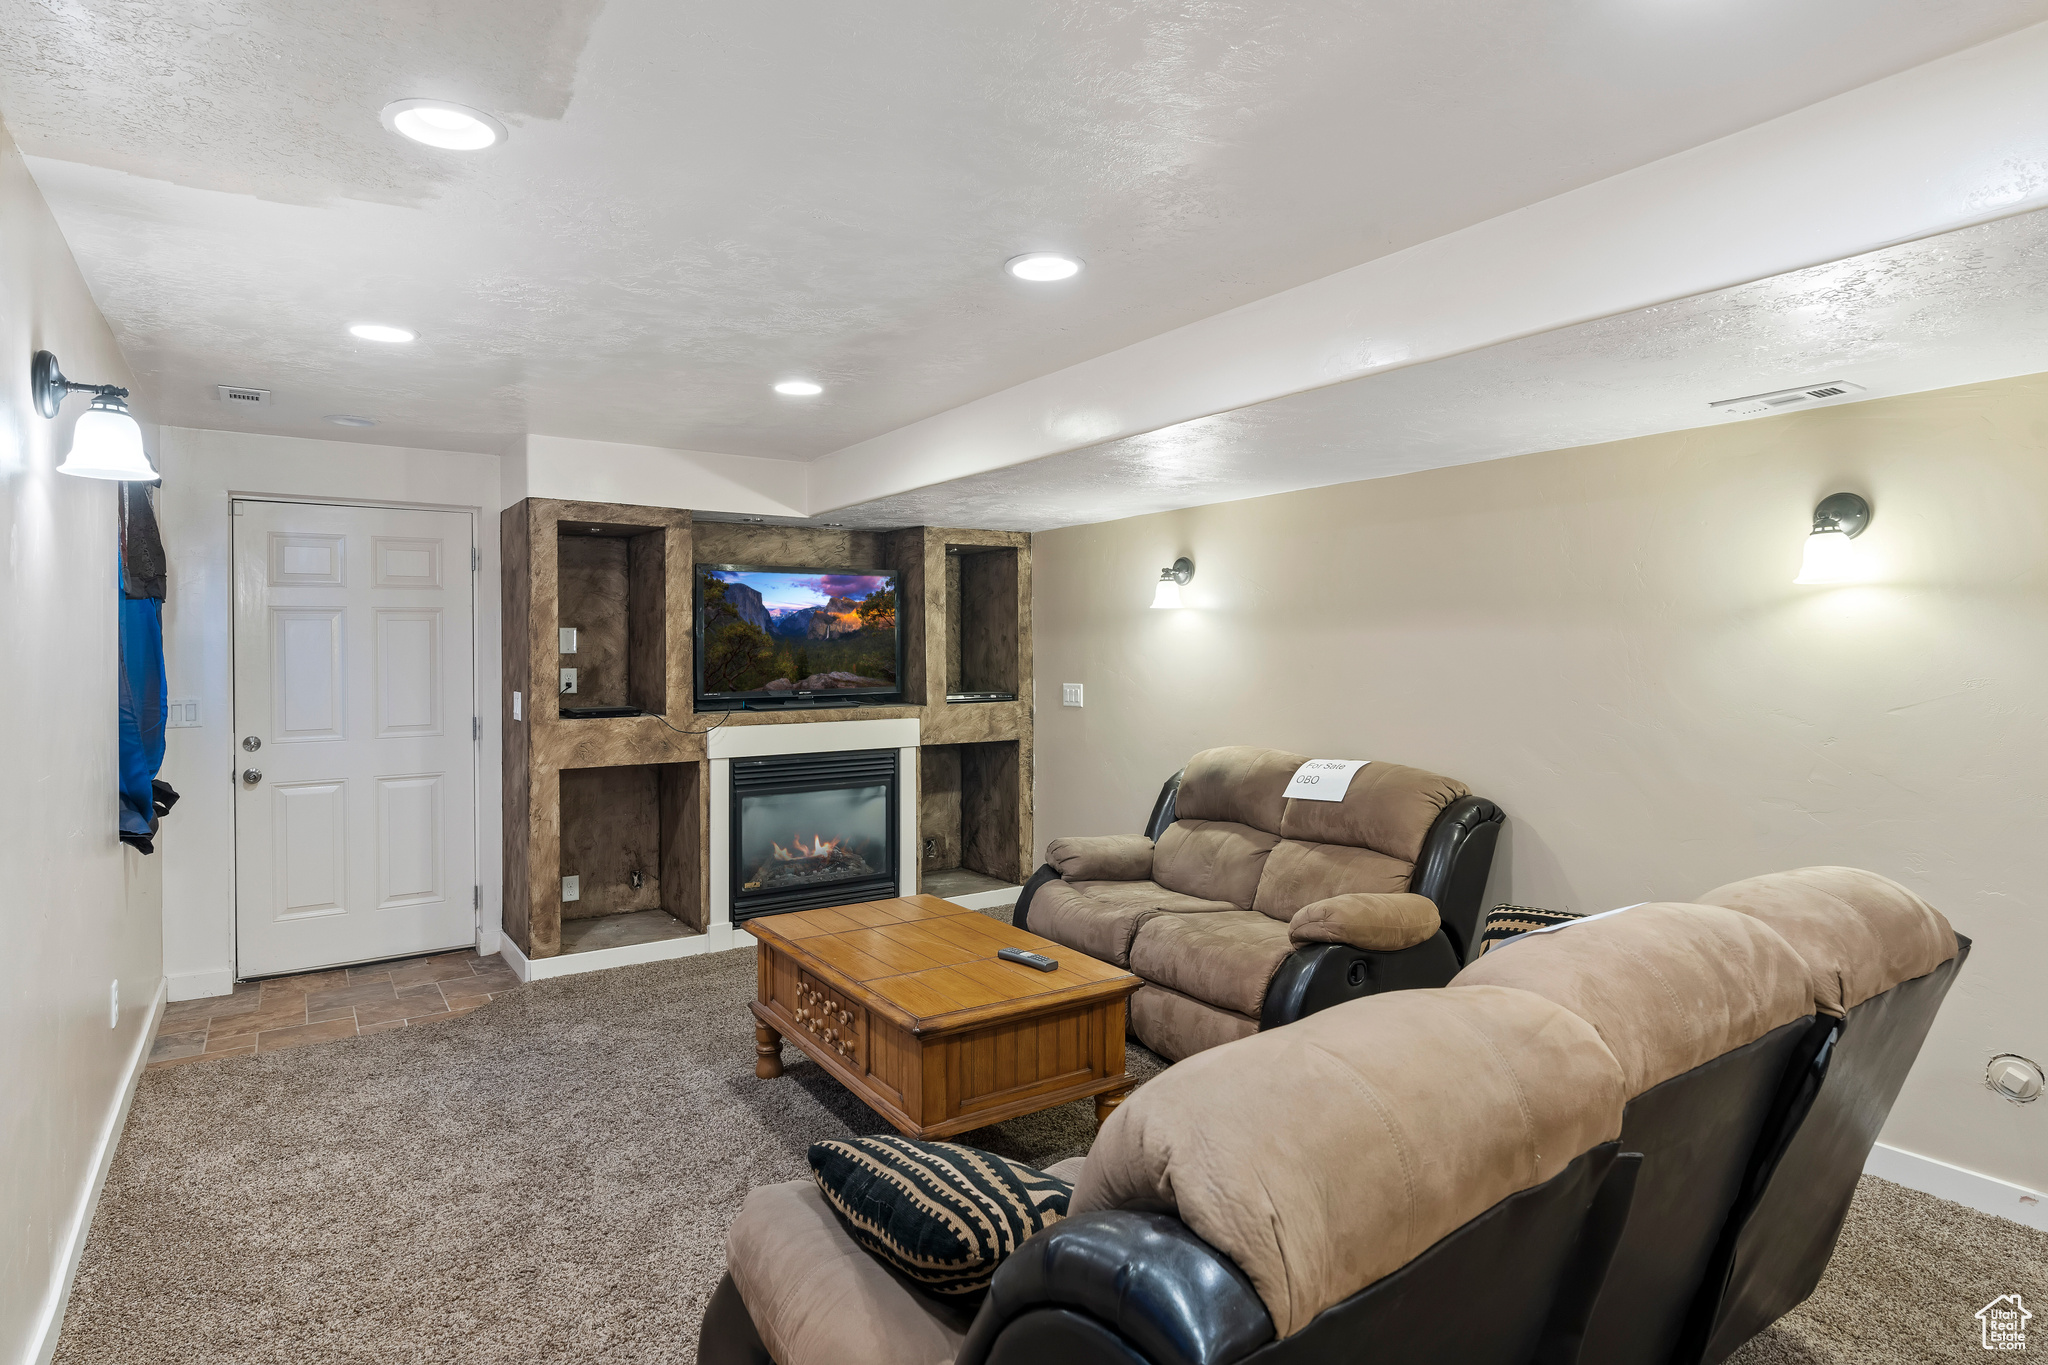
column 1607, row 641
column 77, row 910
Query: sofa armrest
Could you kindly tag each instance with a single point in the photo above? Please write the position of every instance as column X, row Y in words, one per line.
column 1143, row 1280
column 1102, row 858
column 1376, row 922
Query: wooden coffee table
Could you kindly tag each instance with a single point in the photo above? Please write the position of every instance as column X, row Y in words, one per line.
column 907, row 1005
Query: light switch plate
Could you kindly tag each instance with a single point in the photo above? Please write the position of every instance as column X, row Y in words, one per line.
column 181, row 713
column 572, row 888
column 568, row 639
column 1070, row 694
column 516, row 707
column 568, row 681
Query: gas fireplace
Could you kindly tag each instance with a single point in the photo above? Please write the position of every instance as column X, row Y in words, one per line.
column 811, row 830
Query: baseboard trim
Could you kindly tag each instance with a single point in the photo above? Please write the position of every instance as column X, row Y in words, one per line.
column 1984, row 1193
column 59, row 1296
column 721, row 938
column 201, row 985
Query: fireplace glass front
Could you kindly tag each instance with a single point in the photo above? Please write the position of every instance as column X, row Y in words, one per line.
column 812, row 830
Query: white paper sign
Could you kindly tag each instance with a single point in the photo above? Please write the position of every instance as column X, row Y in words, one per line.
column 1323, row 779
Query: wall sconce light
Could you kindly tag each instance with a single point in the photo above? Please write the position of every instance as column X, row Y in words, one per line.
column 1839, row 519
column 1171, row 581
column 106, row 443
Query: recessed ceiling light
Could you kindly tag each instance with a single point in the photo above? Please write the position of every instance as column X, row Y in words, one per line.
column 1043, row 267
column 377, row 331
column 799, row 388
column 437, row 123
column 349, row 419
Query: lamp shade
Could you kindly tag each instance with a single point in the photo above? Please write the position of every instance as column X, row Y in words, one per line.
column 107, row 444
column 1167, row 594
column 1830, row 558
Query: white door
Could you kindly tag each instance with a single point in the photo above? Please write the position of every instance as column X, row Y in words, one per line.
column 355, row 775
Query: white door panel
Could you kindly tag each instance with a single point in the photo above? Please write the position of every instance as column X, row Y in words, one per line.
column 354, row 678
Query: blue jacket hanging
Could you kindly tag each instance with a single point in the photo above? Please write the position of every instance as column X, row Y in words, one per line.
column 144, row 799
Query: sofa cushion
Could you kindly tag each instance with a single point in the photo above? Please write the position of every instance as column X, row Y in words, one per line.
column 817, row 1298
column 943, row 1214
column 1240, row 784
column 1858, row 933
column 1102, row 857
column 1225, row 959
column 1299, row 874
column 1376, row 922
column 1217, row 860
column 1100, row 918
column 1326, row 1155
column 1387, row 807
column 1177, row 1026
column 1667, row 986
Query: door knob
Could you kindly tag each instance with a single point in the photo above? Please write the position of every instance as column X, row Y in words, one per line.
column 252, row 775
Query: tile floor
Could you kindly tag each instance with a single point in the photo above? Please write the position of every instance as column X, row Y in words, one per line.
column 315, row 1007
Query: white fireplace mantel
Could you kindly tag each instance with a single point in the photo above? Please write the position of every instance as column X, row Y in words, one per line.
column 723, row 745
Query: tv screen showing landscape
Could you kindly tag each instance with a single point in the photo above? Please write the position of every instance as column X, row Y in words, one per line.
column 779, row 632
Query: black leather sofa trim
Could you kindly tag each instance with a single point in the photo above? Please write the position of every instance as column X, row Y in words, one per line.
column 1781, row 1239
column 1154, row 1289
column 727, row 1336
column 1162, row 809
column 1316, row 976
column 1487, row 1294
column 1697, row 1132
column 1047, row 873
column 1457, row 855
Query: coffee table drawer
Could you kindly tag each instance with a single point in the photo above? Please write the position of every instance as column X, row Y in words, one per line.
column 831, row 1019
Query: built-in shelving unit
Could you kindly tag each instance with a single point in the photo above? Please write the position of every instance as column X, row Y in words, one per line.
column 615, row 801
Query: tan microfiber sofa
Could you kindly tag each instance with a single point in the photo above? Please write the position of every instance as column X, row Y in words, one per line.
column 1258, row 1191
column 1749, row 1163
column 1418, row 1170
column 1251, row 910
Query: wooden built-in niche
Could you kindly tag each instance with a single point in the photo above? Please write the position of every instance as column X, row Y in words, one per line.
column 640, row 821
column 983, row 641
column 612, row 588
column 971, row 810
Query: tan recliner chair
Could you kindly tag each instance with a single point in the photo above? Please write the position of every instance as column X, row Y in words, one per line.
column 1244, row 910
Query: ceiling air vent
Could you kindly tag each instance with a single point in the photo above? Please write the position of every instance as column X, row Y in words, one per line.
column 235, row 396
column 1780, row 399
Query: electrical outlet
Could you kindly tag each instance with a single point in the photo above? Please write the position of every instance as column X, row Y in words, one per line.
column 568, row 681
column 181, row 713
column 568, row 639
column 113, row 1004
column 931, row 849
column 572, row 888
column 1070, row 694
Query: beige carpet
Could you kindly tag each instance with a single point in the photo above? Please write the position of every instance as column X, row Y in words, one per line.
column 549, row 1179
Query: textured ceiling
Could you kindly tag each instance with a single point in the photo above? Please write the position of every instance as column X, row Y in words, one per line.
column 699, row 199
column 1963, row 307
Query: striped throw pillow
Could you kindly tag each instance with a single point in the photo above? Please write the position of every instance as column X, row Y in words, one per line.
column 943, row 1214
column 1504, row 922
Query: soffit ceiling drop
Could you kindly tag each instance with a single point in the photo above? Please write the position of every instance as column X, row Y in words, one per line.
column 697, row 201
column 1963, row 307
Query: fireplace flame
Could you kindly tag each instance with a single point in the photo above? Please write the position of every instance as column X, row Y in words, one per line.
column 816, row 848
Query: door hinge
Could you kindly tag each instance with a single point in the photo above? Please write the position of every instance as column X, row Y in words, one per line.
column 477, row 897
column 476, row 559
column 476, row 728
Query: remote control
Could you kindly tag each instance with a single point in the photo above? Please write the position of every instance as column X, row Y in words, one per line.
column 1038, row 960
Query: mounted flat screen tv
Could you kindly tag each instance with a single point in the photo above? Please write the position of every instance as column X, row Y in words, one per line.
column 773, row 634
